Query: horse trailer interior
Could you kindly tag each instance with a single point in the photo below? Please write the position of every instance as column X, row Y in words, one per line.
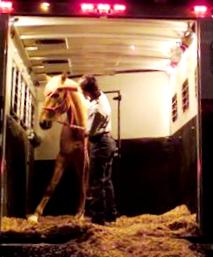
column 155, row 65
column 147, row 67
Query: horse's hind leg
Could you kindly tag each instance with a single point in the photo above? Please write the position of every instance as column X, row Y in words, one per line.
column 60, row 165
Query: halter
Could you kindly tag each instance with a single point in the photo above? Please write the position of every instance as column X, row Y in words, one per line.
column 59, row 109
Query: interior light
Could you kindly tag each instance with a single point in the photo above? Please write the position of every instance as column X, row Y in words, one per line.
column 87, row 7
column 31, row 48
column 6, row 6
column 200, row 10
column 45, row 6
column 38, row 67
column 132, row 47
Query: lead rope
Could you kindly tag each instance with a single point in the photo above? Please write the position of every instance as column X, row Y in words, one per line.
column 85, row 151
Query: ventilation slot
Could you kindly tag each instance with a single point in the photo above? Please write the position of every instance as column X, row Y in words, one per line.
column 54, row 73
column 50, row 41
column 55, row 62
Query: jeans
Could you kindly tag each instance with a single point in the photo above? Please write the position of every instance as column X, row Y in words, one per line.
column 101, row 199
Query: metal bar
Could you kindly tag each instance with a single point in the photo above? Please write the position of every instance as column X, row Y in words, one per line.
column 3, row 72
column 118, row 98
column 205, row 136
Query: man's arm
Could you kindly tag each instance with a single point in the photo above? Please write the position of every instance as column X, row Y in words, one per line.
column 98, row 122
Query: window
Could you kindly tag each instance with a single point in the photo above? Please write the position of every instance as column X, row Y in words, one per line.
column 174, row 108
column 24, row 109
column 22, row 100
column 16, row 93
column 185, row 95
column 30, row 111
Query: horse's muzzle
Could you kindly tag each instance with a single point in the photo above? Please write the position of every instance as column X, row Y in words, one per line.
column 45, row 124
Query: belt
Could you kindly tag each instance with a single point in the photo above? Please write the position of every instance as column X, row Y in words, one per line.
column 98, row 136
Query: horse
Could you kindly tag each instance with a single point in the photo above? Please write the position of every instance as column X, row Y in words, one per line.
column 63, row 95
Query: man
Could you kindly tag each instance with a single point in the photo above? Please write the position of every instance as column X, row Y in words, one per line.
column 102, row 148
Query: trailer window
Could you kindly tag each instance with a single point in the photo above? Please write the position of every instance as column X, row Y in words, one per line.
column 15, row 97
column 185, row 95
column 31, row 112
column 22, row 101
column 174, row 108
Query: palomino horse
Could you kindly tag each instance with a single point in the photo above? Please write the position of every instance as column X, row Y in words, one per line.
column 63, row 95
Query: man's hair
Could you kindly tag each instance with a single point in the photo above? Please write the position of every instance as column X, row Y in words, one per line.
column 89, row 84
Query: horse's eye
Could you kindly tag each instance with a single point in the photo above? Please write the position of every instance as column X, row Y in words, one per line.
column 55, row 95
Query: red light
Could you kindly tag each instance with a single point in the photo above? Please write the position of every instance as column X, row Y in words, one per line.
column 6, row 6
column 87, row 7
column 119, row 7
column 200, row 10
column 103, row 8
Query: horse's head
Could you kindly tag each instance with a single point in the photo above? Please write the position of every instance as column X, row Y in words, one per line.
column 56, row 99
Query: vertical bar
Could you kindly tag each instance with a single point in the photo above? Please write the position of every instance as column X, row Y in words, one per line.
column 205, row 165
column 3, row 65
column 117, row 98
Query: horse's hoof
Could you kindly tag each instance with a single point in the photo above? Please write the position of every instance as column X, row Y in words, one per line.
column 80, row 216
column 33, row 219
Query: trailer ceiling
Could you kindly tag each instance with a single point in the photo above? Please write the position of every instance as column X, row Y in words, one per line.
column 51, row 45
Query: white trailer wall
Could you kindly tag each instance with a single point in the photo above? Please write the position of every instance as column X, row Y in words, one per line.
column 186, row 69
column 145, row 109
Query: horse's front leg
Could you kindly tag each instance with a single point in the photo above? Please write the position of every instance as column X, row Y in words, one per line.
column 82, row 171
column 59, row 168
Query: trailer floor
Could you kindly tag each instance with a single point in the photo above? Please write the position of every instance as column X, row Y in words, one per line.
column 145, row 235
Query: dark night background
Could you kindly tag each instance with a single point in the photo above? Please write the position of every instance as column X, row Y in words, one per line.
column 135, row 5
column 159, row 2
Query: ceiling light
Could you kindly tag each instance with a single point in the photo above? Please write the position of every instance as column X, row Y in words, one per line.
column 38, row 66
column 45, row 6
column 31, row 48
column 132, row 47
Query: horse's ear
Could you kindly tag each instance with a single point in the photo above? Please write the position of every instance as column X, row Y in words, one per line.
column 48, row 78
column 63, row 77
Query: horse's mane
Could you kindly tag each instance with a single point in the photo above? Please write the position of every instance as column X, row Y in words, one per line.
column 78, row 101
column 57, row 82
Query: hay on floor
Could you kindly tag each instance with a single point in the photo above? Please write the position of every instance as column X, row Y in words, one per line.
column 140, row 236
